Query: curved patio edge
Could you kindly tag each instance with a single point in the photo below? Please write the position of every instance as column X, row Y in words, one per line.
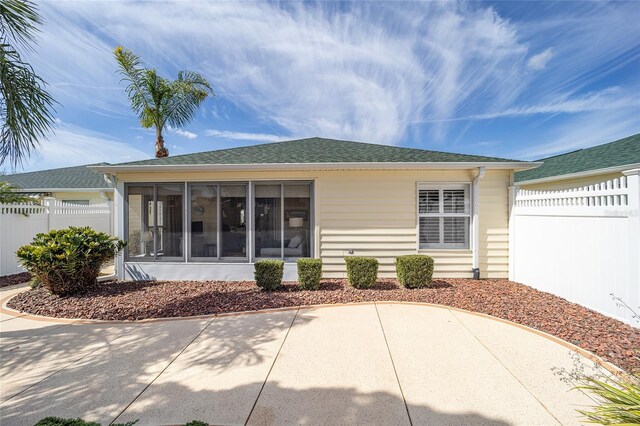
column 585, row 353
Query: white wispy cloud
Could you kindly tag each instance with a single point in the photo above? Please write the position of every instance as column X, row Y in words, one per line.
column 612, row 98
column 257, row 137
column 185, row 133
column 584, row 131
column 73, row 145
column 539, row 62
column 75, row 58
column 365, row 71
column 360, row 74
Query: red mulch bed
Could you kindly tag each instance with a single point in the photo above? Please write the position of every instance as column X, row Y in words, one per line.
column 7, row 280
column 611, row 339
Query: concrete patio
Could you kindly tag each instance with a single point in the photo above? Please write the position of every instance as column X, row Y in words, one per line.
column 381, row 363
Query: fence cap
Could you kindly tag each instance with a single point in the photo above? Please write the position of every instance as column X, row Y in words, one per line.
column 631, row 172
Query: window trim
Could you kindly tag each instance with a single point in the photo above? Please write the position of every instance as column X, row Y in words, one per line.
column 467, row 186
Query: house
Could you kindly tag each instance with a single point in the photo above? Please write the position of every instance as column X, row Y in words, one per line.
column 583, row 167
column 77, row 185
column 210, row 215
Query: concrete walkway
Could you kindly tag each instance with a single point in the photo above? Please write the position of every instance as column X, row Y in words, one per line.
column 389, row 364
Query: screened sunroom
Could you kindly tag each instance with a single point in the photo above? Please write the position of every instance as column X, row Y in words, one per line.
column 228, row 222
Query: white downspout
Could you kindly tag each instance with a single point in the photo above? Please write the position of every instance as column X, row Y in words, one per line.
column 475, row 230
column 118, row 222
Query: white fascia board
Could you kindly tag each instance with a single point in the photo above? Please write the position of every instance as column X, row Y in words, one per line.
column 587, row 173
column 318, row 166
column 65, row 190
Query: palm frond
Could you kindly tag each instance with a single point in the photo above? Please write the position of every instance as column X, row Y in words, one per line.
column 25, row 108
column 135, row 77
column 18, row 21
column 189, row 91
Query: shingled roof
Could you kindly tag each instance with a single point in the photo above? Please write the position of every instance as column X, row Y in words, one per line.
column 78, row 177
column 619, row 153
column 315, row 150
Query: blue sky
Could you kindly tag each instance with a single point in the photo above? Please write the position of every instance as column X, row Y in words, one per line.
column 519, row 80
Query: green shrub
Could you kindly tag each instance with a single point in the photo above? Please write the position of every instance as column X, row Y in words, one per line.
column 68, row 261
column 309, row 273
column 268, row 273
column 414, row 270
column 362, row 272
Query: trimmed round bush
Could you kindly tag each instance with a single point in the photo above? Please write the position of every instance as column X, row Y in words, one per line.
column 309, row 273
column 268, row 273
column 68, row 261
column 362, row 272
column 414, row 270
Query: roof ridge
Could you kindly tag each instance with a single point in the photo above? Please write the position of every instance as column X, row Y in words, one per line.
column 560, row 155
column 602, row 145
column 293, row 142
column 219, row 150
column 615, row 154
column 102, row 163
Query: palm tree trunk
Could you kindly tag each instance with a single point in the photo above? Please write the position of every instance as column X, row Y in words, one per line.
column 161, row 151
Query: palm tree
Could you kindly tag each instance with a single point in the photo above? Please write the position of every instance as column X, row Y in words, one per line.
column 158, row 101
column 25, row 107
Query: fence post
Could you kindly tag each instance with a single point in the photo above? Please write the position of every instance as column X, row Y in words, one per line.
column 633, row 203
column 513, row 193
column 110, row 204
column 49, row 202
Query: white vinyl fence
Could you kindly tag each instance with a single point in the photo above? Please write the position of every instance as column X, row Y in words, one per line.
column 20, row 223
column 581, row 244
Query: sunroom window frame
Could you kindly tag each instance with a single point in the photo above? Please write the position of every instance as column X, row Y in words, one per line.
column 441, row 187
column 311, row 219
column 218, row 258
column 154, row 258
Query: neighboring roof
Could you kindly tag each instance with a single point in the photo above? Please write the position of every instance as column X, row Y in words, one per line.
column 75, row 178
column 312, row 151
column 610, row 157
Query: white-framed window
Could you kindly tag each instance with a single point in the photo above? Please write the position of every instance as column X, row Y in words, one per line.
column 444, row 215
